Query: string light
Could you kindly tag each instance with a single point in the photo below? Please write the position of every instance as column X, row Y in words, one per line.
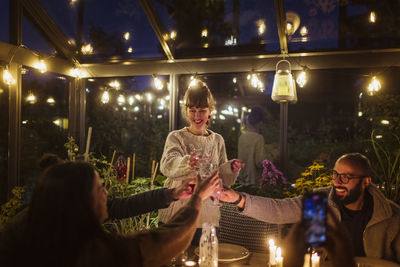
column 105, row 98
column 31, row 98
column 204, row 33
column 127, row 35
column 372, row 17
column 115, row 84
column 234, row 80
column 158, row 84
column 385, row 122
column 302, row 79
column 7, row 77
column 77, row 73
column 131, row 100
column 172, row 35
column 87, row 49
column 303, row 31
column 261, row 27
column 149, row 97
column 121, row 100
column 374, row 86
column 50, row 101
column 130, row 49
column 40, row 66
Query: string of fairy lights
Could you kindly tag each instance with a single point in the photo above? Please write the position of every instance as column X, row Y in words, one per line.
column 253, row 77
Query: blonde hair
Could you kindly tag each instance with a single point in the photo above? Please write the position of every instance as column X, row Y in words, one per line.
column 199, row 96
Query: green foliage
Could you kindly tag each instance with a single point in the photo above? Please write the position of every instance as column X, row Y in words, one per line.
column 315, row 176
column 10, row 208
column 386, row 164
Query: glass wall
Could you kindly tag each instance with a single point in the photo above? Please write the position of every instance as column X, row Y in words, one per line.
column 44, row 116
column 128, row 115
column 335, row 112
column 4, row 94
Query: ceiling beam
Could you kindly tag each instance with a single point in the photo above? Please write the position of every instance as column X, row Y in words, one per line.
column 48, row 29
column 316, row 60
column 281, row 24
column 28, row 58
column 157, row 25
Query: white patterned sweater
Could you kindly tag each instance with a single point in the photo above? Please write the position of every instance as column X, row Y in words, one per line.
column 175, row 165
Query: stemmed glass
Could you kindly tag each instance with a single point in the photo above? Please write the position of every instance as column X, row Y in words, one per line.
column 206, row 169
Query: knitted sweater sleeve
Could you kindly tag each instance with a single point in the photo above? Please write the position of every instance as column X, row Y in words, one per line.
column 174, row 162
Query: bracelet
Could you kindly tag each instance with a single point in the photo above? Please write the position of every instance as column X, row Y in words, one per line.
column 238, row 200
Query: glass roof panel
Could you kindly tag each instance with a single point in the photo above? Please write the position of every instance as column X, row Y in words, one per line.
column 4, row 21
column 218, row 28
column 119, row 29
column 65, row 15
column 342, row 25
column 33, row 40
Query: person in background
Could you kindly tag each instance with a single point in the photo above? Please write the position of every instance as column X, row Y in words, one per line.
column 183, row 149
column 64, row 225
column 372, row 221
column 251, row 148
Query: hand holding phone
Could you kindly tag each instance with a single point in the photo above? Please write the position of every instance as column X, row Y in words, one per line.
column 314, row 218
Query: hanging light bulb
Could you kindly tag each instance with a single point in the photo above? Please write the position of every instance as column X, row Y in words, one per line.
column 284, row 88
column 172, row 35
column 115, row 84
column 50, row 101
column 138, row 97
column 131, row 100
column 7, row 77
column 302, row 79
column 374, row 86
column 127, row 35
column 261, row 27
column 130, row 49
column 303, row 31
column 40, row 66
column 204, row 33
column 121, row 100
column 87, row 49
column 193, row 81
column 31, row 98
column 234, row 80
column 149, row 97
column 77, row 73
column 157, row 82
column 254, row 80
column 372, row 17
column 105, row 98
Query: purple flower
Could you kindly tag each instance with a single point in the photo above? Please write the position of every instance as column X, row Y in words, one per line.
column 271, row 173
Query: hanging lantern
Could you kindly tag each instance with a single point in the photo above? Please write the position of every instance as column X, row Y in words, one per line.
column 284, row 88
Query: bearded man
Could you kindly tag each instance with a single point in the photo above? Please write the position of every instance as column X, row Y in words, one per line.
column 372, row 221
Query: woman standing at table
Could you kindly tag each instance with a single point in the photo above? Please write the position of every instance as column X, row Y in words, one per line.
column 64, row 225
column 184, row 147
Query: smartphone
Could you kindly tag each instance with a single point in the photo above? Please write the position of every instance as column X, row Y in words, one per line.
column 314, row 218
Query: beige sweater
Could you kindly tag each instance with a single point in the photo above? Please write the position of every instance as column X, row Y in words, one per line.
column 175, row 165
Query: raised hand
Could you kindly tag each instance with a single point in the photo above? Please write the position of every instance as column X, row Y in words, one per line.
column 185, row 190
column 205, row 188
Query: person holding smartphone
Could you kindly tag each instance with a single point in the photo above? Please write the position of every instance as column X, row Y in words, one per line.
column 372, row 221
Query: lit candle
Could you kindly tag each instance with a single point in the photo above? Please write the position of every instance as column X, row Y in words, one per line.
column 306, row 260
column 314, row 260
column 278, row 258
column 272, row 251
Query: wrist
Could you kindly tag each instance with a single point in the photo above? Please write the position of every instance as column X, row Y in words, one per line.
column 238, row 200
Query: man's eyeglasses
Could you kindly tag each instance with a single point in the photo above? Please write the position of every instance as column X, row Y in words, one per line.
column 344, row 178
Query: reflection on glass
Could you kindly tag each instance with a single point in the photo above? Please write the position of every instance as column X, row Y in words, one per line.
column 44, row 115
column 129, row 118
